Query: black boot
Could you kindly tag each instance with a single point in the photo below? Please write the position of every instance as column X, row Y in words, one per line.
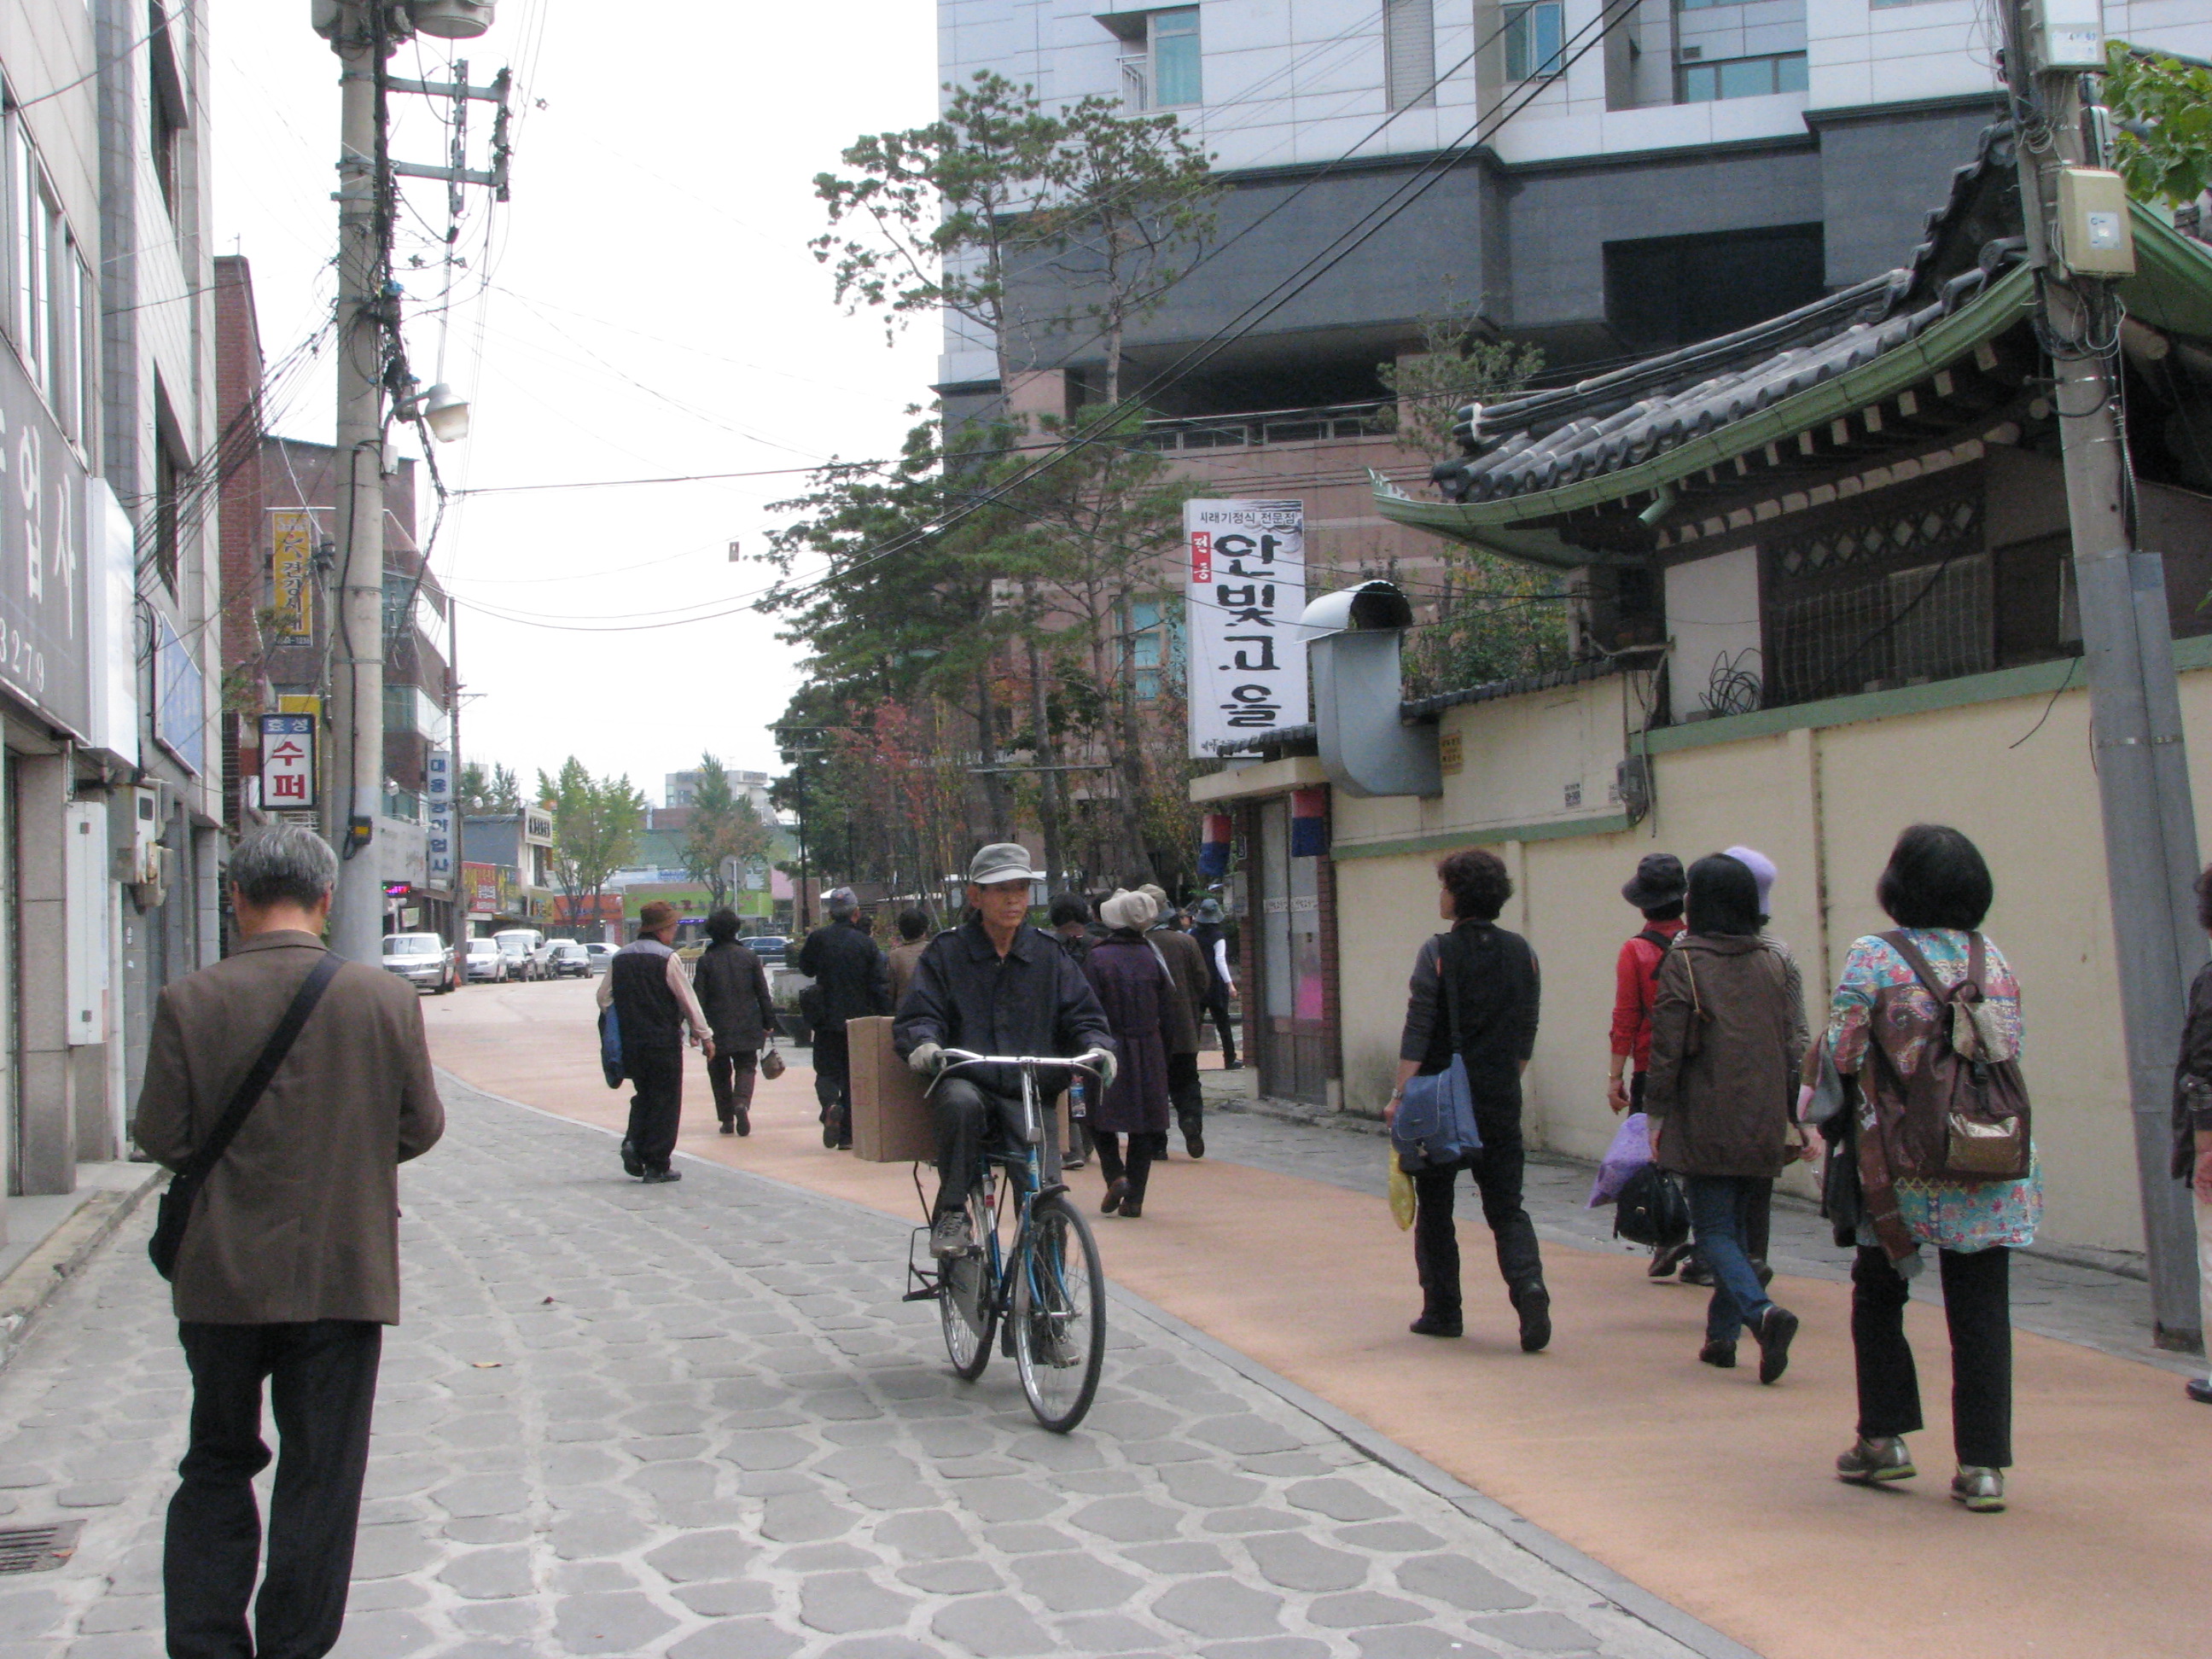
column 1533, row 1303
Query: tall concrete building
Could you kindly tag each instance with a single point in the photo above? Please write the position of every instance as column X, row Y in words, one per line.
column 109, row 691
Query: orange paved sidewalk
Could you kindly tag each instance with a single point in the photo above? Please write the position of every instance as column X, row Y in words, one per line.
column 1700, row 1485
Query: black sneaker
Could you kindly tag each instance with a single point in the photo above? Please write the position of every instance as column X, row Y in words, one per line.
column 632, row 1163
column 728, row 1127
column 744, row 1120
column 1721, row 1355
column 662, row 1177
column 1430, row 1325
column 1533, row 1303
column 1775, row 1333
column 1695, row 1272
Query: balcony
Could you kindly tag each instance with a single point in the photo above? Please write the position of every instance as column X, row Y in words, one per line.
column 1331, row 423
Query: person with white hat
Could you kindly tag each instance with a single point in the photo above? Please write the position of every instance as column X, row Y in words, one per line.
column 993, row 985
column 1138, row 992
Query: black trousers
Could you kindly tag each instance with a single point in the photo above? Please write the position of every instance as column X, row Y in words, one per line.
column 657, row 1108
column 1186, row 1093
column 965, row 1119
column 730, row 1074
column 833, row 1069
column 1138, row 1168
column 1977, row 1306
column 1498, row 1171
column 1217, row 1010
column 322, row 1385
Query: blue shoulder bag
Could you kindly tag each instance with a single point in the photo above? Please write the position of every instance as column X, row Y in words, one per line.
column 1435, row 1124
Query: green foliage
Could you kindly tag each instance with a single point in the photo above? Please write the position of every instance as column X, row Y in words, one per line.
column 2165, row 146
column 724, row 826
column 497, row 790
column 596, row 821
column 1458, row 364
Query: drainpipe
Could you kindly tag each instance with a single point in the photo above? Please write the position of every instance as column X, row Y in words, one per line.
column 1354, row 644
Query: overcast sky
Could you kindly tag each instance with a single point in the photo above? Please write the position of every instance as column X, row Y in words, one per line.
column 648, row 306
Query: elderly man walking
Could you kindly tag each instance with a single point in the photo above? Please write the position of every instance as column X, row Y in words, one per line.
column 288, row 1268
column 852, row 981
column 653, row 1004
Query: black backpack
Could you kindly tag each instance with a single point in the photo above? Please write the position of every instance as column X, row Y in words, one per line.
column 1651, row 1209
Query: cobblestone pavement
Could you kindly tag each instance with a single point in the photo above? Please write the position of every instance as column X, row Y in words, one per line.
column 696, row 1421
column 2074, row 1301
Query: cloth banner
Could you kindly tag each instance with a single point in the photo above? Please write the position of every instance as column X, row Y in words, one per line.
column 1246, row 591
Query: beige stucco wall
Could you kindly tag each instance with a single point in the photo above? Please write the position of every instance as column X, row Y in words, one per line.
column 1825, row 803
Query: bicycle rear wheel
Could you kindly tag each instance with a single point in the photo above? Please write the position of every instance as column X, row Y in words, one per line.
column 1059, row 1314
column 968, row 1303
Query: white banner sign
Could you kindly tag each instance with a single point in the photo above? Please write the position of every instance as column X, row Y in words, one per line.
column 288, row 762
column 437, row 796
column 1247, row 592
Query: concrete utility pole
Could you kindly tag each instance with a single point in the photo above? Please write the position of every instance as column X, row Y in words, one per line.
column 2079, row 238
column 357, row 917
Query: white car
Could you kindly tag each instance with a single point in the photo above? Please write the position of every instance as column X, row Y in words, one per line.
column 602, row 955
column 485, row 960
column 424, row 960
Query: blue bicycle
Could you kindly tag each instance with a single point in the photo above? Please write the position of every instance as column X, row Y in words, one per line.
column 1041, row 1289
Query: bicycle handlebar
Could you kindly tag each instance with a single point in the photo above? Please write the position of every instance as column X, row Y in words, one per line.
column 955, row 1058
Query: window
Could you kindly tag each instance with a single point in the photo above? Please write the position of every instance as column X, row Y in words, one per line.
column 1665, row 291
column 169, row 490
column 1155, row 648
column 1739, row 77
column 1159, row 58
column 167, row 117
column 1534, row 40
column 1409, row 52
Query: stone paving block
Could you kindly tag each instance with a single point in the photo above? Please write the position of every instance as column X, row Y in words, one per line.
column 1416, row 1642
column 1540, row 1633
column 1292, row 1561
column 384, row 1636
column 592, row 1577
column 677, row 1483
column 382, row 1594
column 1128, row 1520
column 840, row 1602
column 501, row 1618
column 738, row 1638
column 1178, row 1560
column 825, row 1558
column 1267, row 1647
column 1026, row 1538
column 1110, row 1633
column 1455, row 1579
column 770, row 1451
column 1076, row 1583
column 1219, row 1606
column 620, row 1622
column 132, row 1645
column 910, row 1495
column 393, row 1552
column 122, row 1613
column 496, row 1494
column 1359, row 1608
column 701, row 1555
column 1204, row 1486
column 1253, row 1519
column 880, row 1647
column 993, row 1628
column 952, row 1577
column 597, row 1536
column 802, row 1517
column 926, row 1537
column 1340, row 1500
column 489, row 1574
column 1387, row 1537
column 721, row 1597
column 91, row 1494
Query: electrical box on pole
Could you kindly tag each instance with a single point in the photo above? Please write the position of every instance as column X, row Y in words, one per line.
column 2093, row 236
column 2069, row 34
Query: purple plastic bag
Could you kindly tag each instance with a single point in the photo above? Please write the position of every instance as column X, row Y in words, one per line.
column 1630, row 1152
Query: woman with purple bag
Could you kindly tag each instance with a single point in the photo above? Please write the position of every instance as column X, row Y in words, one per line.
column 1474, row 994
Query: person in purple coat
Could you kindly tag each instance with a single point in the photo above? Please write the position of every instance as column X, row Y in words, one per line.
column 1134, row 988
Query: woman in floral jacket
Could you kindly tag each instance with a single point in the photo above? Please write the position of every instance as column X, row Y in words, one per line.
column 1937, row 888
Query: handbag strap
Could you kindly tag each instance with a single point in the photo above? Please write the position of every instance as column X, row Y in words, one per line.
column 256, row 1081
column 1911, row 953
column 1445, row 991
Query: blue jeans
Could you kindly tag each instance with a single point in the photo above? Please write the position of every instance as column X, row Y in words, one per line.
column 1720, row 1210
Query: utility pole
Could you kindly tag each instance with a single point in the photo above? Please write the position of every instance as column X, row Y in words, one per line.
column 2081, row 244
column 357, row 915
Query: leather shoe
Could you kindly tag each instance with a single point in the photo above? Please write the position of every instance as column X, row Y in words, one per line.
column 662, row 1177
column 632, row 1163
column 1533, row 1303
column 1721, row 1355
column 1132, row 1208
column 1430, row 1325
column 744, row 1120
column 1117, row 1193
column 728, row 1127
column 2199, row 1389
column 1666, row 1259
column 1775, row 1333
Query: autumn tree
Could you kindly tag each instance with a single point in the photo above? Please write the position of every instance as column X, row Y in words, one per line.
column 596, row 824
column 724, row 826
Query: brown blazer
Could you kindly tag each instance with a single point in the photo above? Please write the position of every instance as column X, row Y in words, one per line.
column 1724, row 1110
column 301, row 1219
column 1186, row 960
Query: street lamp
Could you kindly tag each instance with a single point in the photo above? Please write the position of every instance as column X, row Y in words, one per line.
column 441, row 410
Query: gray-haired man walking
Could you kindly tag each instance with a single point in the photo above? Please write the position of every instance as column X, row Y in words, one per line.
column 288, row 1270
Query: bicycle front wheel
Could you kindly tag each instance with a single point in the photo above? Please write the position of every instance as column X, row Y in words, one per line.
column 968, row 1302
column 1059, row 1314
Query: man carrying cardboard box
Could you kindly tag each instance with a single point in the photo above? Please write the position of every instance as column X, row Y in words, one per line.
column 992, row 986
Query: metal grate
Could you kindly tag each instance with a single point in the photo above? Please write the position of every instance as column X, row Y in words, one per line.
column 37, row 1549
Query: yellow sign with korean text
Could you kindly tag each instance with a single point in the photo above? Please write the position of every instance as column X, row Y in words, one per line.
column 292, row 572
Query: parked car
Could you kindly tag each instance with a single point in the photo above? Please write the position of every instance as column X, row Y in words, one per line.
column 566, row 959
column 601, row 955
column 485, row 960
column 521, row 965
column 424, row 960
column 771, row 948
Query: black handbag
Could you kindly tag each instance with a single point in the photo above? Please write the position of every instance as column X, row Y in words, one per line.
column 176, row 1206
column 1652, row 1209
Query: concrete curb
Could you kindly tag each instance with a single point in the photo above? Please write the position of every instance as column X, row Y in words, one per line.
column 31, row 1285
column 1630, row 1597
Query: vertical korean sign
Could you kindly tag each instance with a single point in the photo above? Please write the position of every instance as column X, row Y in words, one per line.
column 1247, row 592
column 288, row 762
column 438, row 792
column 292, row 572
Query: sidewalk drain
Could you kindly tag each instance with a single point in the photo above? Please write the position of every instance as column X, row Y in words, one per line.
column 37, row 1549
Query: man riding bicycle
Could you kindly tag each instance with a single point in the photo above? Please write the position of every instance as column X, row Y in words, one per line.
column 996, row 985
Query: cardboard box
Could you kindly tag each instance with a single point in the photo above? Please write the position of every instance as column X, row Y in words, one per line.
column 891, row 1119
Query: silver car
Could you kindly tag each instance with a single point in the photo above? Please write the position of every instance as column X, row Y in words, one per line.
column 424, row 960
column 485, row 960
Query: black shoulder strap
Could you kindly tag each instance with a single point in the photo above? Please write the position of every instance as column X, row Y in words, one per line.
column 1445, row 994
column 257, row 1080
column 1659, row 941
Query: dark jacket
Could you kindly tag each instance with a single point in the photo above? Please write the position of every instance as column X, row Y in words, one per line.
column 1185, row 962
column 2192, row 1076
column 645, row 1009
column 300, row 1220
column 732, row 988
column 1207, row 934
column 1138, row 997
column 1033, row 1001
column 849, row 974
column 1499, row 989
column 1726, row 1109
